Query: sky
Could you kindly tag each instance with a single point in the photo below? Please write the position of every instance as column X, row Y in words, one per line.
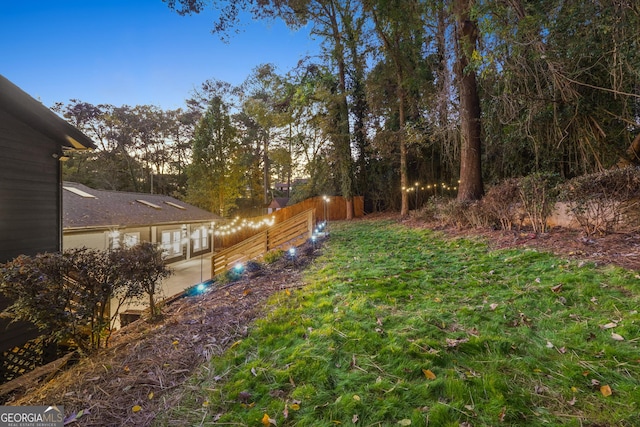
column 132, row 52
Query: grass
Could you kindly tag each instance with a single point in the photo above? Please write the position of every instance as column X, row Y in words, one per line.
column 404, row 327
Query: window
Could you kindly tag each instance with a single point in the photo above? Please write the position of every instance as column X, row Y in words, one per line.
column 171, row 243
column 129, row 240
column 200, row 238
column 114, row 239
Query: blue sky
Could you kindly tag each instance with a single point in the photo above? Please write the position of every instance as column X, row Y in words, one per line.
column 131, row 52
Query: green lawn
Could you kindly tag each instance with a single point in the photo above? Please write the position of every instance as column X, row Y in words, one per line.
column 402, row 326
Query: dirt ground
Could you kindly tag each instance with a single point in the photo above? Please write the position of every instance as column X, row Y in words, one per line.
column 141, row 374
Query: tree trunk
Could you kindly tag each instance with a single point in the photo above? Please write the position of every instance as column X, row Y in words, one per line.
column 471, row 186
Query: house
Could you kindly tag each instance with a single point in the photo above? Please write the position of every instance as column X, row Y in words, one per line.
column 103, row 219
column 277, row 203
column 33, row 142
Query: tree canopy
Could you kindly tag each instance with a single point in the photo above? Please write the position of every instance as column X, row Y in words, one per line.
column 437, row 96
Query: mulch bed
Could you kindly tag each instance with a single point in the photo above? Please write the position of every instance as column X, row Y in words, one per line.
column 147, row 363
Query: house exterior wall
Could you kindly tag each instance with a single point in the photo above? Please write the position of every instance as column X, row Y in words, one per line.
column 30, row 220
column 29, row 191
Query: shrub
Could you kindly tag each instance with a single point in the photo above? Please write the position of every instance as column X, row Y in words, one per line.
column 501, row 204
column 605, row 201
column 538, row 194
column 68, row 294
column 64, row 294
column 273, row 256
column 452, row 212
column 144, row 270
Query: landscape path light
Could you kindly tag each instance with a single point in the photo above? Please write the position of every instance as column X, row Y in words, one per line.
column 326, row 208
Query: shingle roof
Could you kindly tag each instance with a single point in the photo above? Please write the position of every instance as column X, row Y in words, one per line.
column 117, row 208
column 279, row 202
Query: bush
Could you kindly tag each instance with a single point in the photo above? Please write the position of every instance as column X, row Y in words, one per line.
column 501, row 204
column 68, row 294
column 538, row 194
column 452, row 212
column 604, row 202
column 273, row 256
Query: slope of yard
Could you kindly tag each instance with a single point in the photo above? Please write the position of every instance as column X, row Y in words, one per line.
column 399, row 326
column 393, row 325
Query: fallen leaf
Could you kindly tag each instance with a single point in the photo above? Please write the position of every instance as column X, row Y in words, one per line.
column 430, row 375
column 288, row 292
column 502, row 414
column 405, row 422
column 267, row 420
column 355, row 418
column 246, row 292
column 356, row 398
column 136, row 408
column 150, row 396
column 295, row 406
column 285, row 413
column 253, row 371
column 572, row 401
column 436, row 299
column 609, row 325
column 493, row 306
column 456, row 342
column 605, row 390
column 549, row 344
column 617, row 337
column 557, row 288
column 574, row 389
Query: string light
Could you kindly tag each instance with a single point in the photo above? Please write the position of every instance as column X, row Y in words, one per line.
column 236, row 225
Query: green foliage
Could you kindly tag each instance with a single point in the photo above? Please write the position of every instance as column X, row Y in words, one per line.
column 400, row 325
column 69, row 294
column 273, row 256
column 215, row 175
column 144, row 270
column 604, row 202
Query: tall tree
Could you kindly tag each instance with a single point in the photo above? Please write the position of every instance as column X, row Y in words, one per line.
column 215, row 180
column 471, row 185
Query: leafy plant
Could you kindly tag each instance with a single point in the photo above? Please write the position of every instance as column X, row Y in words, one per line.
column 501, row 204
column 144, row 271
column 606, row 201
column 64, row 294
column 70, row 294
column 273, row 256
column 538, row 195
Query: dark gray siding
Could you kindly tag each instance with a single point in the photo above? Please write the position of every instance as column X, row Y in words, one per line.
column 29, row 191
column 29, row 203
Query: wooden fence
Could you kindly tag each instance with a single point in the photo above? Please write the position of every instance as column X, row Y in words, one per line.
column 333, row 210
column 290, row 232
